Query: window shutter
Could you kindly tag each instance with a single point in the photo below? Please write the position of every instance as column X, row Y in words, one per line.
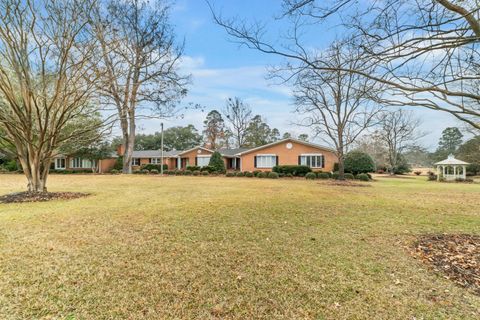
column 255, row 161
column 299, row 160
column 323, row 161
column 196, row 161
column 276, row 160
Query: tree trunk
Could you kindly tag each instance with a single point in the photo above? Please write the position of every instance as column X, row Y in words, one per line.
column 341, row 168
column 36, row 175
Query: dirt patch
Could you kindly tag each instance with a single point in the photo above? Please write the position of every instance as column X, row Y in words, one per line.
column 457, row 256
column 40, row 197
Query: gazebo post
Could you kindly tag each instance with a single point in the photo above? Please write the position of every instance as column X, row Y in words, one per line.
column 455, row 172
column 464, row 172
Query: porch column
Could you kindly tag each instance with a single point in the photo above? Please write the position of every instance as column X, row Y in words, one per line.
column 464, row 173
column 455, row 172
column 179, row 163
column 235, row 163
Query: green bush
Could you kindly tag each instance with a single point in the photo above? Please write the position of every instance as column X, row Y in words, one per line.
column 273, row 175
column 262, row 175
column 296, row 170
column 152, row 166
column 359, row 162
column 473, row 169
column 288, row 175
column 349, row 176
column 256, row 172
column 154, row 171
column 310, row 176
column 118, row 163
column 188, row 173
column 170, row 172
column 335, row 175
column 362, row 177
column 323, row 175
column 336, row 167
column 209, row 169
column 239, row 174
column 114, row 171
column 179, row 172
column 11, row 165
column 144, row 171
column 248, row 174
column 204, row 173
column 196, row 172
column 230, row 174
column 216, row 161
column 193, row 168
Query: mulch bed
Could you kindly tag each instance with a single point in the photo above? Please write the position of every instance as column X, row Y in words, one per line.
column 457, row 256
column 40, row 197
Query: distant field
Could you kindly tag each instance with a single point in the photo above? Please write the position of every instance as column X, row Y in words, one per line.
column 151, row 247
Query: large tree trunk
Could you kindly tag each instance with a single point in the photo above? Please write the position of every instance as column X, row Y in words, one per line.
column 341, row 168
column 36, row 174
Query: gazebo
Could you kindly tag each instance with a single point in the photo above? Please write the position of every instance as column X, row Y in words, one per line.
column 451, row 169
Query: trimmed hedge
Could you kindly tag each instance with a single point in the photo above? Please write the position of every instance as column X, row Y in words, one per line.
column 196, row 172
column 349, row 176
column 359, row 162
column 209, row 169
column 248, row 174
column 193, row 168
column 272, row 175
column 324, row 175
column 239, row 174
column 295, row 170
column 204, row 173
column 310, row 176
column 362, row 177
column 256, row 172
column 230, row 174
column 262, row 175
column 188, row 173
column 154, row 171
column 151, row 167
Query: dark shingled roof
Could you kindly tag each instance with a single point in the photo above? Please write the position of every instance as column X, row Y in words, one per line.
column 154, row 153
column 231, row 152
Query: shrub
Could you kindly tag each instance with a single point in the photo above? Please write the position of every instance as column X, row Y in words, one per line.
column 193, row 168
column 239, row 174
column 230, row 174
column 262, row 175
column 209, row 169
column 358, row 162
column 323, row 175
column 335, row 175
column 197, row 172
column 152, row 166
column 248, row 174
column 310, row 176
column 118, row 163
column 473, row 169
column 3, row 170
column 281, row 174
column 114, row 171
column 256, row 172
column 349, row 176
column 154, row 171
column 178, row 172
column 417, row 173
column 204, row 173
column 432, row 176
column 336, row 166
column 362, row 177
column 216, row 161
column 288, row 175
column 272, row 175
column 296, row 170
column 144, row 171
column 188, row 173
column 170, row 172
column 11, row 165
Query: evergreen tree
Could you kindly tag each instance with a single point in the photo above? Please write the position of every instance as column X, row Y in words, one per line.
column 216, row 161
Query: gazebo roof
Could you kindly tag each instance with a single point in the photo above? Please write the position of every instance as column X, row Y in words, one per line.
column 451, row 161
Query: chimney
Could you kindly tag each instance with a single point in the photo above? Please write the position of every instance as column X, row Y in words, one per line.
column 121, row 149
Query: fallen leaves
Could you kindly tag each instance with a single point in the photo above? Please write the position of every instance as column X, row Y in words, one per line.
column 457, row 256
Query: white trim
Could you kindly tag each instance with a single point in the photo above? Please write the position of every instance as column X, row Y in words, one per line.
column 194, row 148
column 204, row 156
column 313, row 145
column 266, row 156
column 322, row 165
column 64, row 163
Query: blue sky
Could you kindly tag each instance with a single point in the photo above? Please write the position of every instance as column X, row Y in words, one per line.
column 221, row 68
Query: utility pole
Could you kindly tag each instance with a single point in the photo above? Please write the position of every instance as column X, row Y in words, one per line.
column 161, row 148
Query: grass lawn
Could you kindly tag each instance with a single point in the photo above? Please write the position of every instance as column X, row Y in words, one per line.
column 147, row 247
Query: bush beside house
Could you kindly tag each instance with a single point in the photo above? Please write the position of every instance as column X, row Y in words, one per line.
column 358, row 162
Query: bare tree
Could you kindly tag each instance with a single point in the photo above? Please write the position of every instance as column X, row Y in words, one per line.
column 399, row 132
column 426, row 50
column 239, row 115
column 338, row 106
column 141, row 60
column 47, row 80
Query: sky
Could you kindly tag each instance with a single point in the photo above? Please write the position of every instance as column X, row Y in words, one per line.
column 220, row 68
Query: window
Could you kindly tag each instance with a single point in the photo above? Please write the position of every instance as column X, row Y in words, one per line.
column 60, row 163
column 266, row 161
column 78, row 163
column 312, row 160
column 135, row 161
column 203, row 161
column 155, row 160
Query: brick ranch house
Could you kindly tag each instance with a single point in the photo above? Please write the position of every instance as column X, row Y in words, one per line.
column 283, row 152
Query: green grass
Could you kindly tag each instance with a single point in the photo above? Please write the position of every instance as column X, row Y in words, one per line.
column 147, row 247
